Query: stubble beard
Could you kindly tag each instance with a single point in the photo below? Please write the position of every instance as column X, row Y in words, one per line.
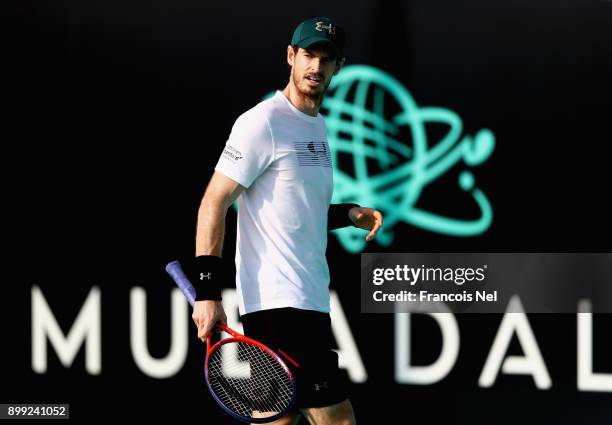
column 312, row 94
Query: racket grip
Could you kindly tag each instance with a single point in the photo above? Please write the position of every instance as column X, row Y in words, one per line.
column 181, row 280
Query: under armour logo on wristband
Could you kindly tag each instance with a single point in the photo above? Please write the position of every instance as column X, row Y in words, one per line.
column 207, row 276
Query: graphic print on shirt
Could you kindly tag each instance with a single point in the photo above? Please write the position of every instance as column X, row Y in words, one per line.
column 313, row 153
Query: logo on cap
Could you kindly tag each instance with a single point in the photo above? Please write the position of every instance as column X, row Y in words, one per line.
column 322, row 26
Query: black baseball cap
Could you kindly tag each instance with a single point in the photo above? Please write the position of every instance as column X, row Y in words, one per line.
column 317, row 30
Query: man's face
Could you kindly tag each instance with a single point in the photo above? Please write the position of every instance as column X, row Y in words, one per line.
column 313, row 68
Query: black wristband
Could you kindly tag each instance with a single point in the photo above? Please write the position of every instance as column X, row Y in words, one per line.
column 337, row 216
column 207, row 274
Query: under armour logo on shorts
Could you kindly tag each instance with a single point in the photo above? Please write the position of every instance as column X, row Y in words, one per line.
column 207, row 276
column 321, row 386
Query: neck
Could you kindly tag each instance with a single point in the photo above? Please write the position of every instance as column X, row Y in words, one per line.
column 306, row 104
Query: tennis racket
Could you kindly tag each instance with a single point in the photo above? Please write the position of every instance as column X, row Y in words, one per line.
column 247, row 379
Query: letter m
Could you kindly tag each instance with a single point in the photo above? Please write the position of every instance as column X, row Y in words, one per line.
column 86, row 328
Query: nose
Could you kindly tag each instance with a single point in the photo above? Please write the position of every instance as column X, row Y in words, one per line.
column 315, row 64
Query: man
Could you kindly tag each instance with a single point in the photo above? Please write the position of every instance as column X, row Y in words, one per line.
column 277, row 164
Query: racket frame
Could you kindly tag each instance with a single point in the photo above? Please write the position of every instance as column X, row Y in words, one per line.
column 180, row 279
column 235, row 338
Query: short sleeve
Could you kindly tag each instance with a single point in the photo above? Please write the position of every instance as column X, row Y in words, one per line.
column 249, row 149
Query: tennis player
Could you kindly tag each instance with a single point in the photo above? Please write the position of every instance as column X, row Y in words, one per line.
column 277, row 164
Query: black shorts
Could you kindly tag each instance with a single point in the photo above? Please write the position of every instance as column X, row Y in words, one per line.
column 306, row 336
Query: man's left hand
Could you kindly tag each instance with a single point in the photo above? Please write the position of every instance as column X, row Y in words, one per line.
column 368, row 219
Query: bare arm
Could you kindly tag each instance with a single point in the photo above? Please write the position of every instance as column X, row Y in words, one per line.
column 220, row 193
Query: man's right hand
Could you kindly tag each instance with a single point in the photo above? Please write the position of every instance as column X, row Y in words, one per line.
column 206, row 314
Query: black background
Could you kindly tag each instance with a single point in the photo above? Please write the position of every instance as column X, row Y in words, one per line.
column 116, row 112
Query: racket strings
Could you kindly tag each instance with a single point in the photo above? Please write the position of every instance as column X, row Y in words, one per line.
column 248, row 380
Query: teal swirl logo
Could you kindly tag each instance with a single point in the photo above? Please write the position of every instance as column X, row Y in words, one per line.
column 373, row 121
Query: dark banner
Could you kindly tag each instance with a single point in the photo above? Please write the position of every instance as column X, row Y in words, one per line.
column 486, row 282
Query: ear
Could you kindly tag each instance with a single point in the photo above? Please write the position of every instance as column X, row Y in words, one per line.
column 339, row 65
column 290, row 55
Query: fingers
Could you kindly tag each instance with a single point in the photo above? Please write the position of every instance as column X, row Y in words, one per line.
column 378, row 222
column 379, row 217
column 201, row 325
column 205, row 329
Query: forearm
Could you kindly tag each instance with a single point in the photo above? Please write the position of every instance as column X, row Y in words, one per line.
column 207, row 270
column 210, row 231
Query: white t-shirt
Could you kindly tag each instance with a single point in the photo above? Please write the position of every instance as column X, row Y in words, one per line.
column 281, row 156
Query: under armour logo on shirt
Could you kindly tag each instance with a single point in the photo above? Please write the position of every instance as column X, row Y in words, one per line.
column 322, row 26
column 207, row 276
